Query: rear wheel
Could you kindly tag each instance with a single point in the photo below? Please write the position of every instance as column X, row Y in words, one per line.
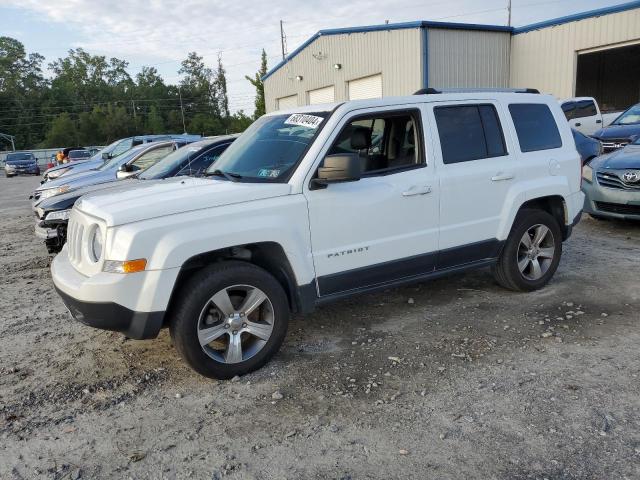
column 532, row 252
column 230, row 319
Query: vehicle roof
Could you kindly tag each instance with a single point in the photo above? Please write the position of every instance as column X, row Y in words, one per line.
column 422, row 98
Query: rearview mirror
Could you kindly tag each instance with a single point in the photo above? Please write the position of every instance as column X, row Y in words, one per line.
column 342, row 167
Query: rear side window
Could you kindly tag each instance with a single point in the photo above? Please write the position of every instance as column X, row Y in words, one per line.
column 469, row 132
column 535, row 126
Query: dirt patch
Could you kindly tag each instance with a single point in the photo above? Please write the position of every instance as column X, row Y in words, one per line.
column 450, row 379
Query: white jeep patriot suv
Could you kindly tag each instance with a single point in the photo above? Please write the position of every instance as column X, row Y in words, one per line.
column 315, row 204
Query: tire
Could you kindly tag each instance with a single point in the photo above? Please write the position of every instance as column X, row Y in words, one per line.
column 516, row 254
column 197, row 316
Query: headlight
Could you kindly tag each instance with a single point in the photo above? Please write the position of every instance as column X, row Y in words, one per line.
column 61, row 215
column 57, row 173
column 52, row 192
column 95, row 244
column 587, row 173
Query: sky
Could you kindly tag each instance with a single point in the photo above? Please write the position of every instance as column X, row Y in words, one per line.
column 160, row 33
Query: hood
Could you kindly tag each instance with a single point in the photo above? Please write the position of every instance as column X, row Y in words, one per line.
column 627, row 157
column 618, row 131
column 75, row 164
column 80, row 179
column 151, row 199
column 67, row 200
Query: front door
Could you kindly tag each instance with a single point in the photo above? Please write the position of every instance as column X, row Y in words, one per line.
column 383, row 227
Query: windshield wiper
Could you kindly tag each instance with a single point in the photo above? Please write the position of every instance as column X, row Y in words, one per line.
column 233, row 177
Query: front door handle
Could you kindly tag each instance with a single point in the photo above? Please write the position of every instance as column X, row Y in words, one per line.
column 598, row 121
column 578, row 124
column 417, row 190
column 500, row 177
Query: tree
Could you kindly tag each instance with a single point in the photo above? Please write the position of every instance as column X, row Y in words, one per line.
column 259, row 85
column 198, row 85
column 62, row 132
column 155, row 122
column 221, row 89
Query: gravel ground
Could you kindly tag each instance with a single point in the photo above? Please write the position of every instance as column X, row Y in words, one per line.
column 452, row 379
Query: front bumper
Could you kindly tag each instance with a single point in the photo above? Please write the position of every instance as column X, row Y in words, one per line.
column 609, row 202
column 134, row 304
column 114, row 317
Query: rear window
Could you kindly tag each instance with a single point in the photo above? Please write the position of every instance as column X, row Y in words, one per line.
column 535, row 126
column 469, row 132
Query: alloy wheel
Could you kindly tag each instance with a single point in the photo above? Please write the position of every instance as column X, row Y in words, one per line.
column 235, row 323
column 536, row 252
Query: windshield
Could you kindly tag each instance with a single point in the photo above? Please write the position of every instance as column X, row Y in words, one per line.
column 270, row 148
column 74, row 154
column 629, row 117
column 117, row 161
column 172, row 161
column 17, row 157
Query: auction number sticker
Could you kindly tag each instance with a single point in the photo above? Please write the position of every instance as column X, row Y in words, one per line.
column 265, row 172
column 303, row 120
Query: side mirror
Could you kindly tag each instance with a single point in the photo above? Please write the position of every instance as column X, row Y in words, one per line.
column 122, row 174
column 106, row 156
column 342, row 167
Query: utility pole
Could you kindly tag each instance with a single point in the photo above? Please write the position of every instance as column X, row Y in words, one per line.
column 282, row 39
column 11, row 138
column 182, row 110
column 509, row 10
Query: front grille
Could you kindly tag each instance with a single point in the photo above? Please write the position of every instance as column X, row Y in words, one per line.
column 612, row 180
column 612, row 144
column 618, row 208
column 74, row 239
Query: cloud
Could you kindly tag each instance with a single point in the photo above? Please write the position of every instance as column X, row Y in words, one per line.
column 162, row 32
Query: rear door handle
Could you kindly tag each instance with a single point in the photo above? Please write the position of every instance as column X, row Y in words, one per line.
column 499, row 177
column 578, row 124
column 417, row 190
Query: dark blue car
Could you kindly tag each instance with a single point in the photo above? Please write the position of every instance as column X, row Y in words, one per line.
column 21, row 163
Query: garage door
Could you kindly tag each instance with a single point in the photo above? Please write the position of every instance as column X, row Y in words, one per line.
column 322, row 95
column 367, row 87
column 286, row 103
column 612, row 76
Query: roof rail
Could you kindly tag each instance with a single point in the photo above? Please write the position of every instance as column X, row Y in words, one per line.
column 433, row 91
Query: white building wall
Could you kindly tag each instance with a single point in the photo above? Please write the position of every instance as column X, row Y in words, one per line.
column 468, row 58
column 396, row 54
column 546, row 59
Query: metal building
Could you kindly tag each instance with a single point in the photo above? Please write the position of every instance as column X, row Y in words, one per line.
column 595, row 53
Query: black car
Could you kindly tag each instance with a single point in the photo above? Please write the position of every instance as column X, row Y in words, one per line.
column 191, row 160
column 588, row 148
column 622, row 131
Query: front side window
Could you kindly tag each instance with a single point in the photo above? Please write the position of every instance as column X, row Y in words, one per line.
column 122, row 147
column 535, row 126
column 270, row 149
column 469, row 132
column 152, row 157
column 382, row 142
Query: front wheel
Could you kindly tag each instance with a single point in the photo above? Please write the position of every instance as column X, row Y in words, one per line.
column 229, row 319
column 532, row 252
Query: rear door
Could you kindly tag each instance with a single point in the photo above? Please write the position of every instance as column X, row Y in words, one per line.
column 476, row 172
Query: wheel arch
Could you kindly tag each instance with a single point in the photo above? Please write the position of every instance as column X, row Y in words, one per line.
column 556, row 206
column 269, row 256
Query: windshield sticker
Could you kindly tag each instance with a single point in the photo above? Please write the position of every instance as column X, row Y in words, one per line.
column 268, row 173
column 302, row 120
